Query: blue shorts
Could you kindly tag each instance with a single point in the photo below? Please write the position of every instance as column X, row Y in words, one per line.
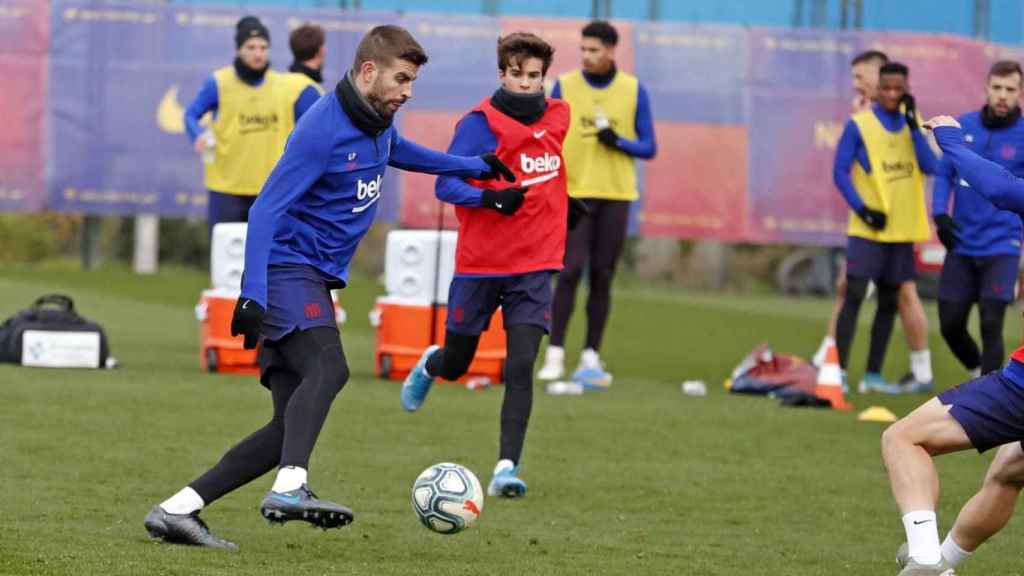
column 298, row 298
column 977, row 278
column 524, row 299
column 221, row 207
column 991, row 408
column 887, row 263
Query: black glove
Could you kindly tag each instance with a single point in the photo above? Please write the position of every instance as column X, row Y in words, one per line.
column 247, row 320
column 947, row 230
column 578, row 210
column 506, row 201
column 608, row 137
column 498, row 168
column 872, row 218
column 910, row 106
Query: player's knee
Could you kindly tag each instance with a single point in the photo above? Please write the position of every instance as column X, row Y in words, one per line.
column 841, row 286
column 888, row 299
column 334, row 371
column 519, row 371
column 856, row 290
column 950, row 325
column 898, row 434
column 601, row 276
column 570, row 275
column 991, row 314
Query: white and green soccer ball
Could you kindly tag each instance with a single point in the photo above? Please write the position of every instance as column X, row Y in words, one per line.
column 447, row 498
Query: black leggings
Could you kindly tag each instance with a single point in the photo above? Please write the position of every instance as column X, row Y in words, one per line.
column 596, row 241
column 881, row 329
column 953, row 320
column 523, row 343
column 304, row 371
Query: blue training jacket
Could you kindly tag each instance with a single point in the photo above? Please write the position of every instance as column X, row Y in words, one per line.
column 985, row 230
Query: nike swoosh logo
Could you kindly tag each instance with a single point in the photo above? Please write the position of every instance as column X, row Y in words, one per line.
column 359, row 209
column 245, row 305
column 539, row 179
column 498, row 205
column 288, row 499
column 919, row 522
column 540, row 134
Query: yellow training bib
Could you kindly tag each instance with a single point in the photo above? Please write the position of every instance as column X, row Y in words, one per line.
column 895, row 185
column 593, row 169
column 251, row 128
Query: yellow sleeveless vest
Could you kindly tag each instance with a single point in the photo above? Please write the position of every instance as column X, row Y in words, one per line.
column 894, row 186
column 593, row 169
column 251, row 128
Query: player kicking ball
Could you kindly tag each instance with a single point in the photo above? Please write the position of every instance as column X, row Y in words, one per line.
column 982, row 414
column 510, row 241
column 304, row 227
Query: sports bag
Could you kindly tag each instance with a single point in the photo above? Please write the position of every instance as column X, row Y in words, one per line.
column 52, row 334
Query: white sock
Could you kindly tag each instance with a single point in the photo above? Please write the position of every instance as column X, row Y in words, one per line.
column 502, row 465
column 289, row 478
column 923, row 536
column 554, row 354
column 921, row 365
column 186, row 501
column 953, row 553
column 976, row 373
column 590, row 359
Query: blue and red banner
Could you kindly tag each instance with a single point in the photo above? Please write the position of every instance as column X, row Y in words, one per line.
column 747, row 119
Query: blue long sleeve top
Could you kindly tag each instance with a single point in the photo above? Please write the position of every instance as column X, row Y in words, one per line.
column 851, row 149
column 473, row 137
column 321, row 197
column 207, row 100
column 984, row 229
column 644, row 146
column 997, row 184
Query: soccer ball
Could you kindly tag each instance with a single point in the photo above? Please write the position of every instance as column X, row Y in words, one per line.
column 447, row 498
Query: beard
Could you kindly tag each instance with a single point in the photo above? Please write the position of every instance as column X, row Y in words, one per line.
column 378, row 101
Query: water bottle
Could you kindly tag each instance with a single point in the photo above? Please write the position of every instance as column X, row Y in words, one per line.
column 600, row 118
column 210, row 151
column 561, row 388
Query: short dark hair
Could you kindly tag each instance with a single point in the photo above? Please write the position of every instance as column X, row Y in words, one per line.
column 519, row 46
column 384, row 44
column 603, row 31
column 1004, row 68
column 306, row 41
column 869, row 56
column 894, row 68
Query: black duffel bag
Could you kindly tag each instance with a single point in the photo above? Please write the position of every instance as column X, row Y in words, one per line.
column 51, row 333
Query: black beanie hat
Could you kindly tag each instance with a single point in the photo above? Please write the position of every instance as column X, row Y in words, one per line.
column 250, row 27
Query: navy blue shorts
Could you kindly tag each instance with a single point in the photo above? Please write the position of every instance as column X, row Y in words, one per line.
column 221, row 207
column 524, row 299
column 887, row 263
column 298, row 298
column 977, row 278
column 990, row 408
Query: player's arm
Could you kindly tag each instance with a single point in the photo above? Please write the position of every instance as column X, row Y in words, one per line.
column 473, row 137
column 309, row 95
column 644, row 146
column 304, row 161
column 408, row 155
column 926, row 157
column 205, row 101
column 995, row 183
column 556, row 90
column 850, row 145
column 945, row 176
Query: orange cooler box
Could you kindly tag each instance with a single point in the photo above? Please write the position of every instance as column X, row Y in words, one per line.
column 403, row 332
column 219, row 351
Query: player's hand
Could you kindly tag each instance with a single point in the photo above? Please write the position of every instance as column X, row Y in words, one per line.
column 873, row 218
column 247, row 321
column 947, row 231
column 578, row 210
column 910, row 111
column 200, row 145
column 497, row 169
column 940, row 121
column 609, row 138
column 506, row 201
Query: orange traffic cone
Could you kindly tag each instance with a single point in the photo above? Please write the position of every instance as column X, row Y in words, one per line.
column 830, row 381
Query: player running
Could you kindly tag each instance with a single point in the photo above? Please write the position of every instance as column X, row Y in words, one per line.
column 983, row 413
column 316, row 206
column 982, row 241
column 879, row 169
column 510, row 241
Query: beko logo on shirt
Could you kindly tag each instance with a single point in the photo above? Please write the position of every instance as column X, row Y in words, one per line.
column 367, row 190
column 545, row 163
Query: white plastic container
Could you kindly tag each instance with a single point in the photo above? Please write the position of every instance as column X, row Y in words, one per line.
column 410, row 270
